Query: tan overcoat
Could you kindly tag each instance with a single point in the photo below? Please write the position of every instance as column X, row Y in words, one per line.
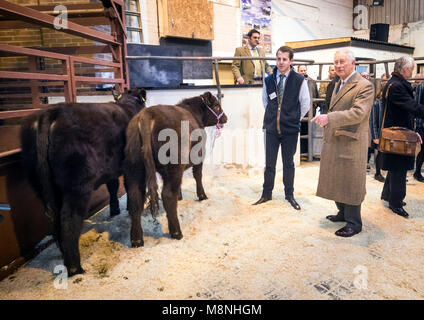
column 343, row 162
column 246, row 68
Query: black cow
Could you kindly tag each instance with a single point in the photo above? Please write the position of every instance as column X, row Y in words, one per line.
column 69, row 150
column 143, row 156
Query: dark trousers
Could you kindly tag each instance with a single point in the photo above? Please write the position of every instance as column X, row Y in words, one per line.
column 351, row 214
column 394, row 189
column 420, row 157
column 288, row 149
column 378, row 163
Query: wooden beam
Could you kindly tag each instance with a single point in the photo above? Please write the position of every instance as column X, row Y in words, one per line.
column 15, row 11
column 84, row 21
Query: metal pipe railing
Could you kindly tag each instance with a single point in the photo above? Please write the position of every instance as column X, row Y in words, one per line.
column 215, row 61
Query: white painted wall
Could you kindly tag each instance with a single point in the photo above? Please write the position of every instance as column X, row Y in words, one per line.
column 149, row 21
column 242, row 140
column 310, row 20
column 410, row 35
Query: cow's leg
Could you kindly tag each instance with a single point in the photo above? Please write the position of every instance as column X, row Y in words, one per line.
column 171, row 187
column 112, row 187
column 72, row 215
column 56, row 231
column 136, row 196
column 197, row 174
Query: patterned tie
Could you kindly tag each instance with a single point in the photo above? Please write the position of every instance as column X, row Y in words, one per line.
column 281, row 87
column 258, row 72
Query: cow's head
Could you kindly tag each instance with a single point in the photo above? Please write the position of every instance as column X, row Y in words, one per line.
column 213, row 110
column 133, row 97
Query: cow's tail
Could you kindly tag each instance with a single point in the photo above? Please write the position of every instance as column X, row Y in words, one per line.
column 140, row 143
column 43, row 167
column 40, row 132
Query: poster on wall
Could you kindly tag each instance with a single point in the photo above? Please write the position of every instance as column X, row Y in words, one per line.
column 256, row 14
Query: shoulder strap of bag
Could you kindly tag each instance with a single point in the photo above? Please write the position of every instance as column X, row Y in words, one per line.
column 385, row 107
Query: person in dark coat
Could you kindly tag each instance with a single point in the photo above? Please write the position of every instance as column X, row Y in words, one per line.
column 401, row 110
column 376, row 118
column 419, row 128
column 329, row 93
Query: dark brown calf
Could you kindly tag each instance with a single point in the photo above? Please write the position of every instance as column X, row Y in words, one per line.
column 69, row 150
column 149, row 150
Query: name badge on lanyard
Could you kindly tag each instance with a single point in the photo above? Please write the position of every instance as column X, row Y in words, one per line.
column 272, row 96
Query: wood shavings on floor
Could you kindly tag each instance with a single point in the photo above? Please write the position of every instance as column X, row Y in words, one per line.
column 233, row 250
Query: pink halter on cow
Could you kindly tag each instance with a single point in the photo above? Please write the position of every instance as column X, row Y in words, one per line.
column 218, row 125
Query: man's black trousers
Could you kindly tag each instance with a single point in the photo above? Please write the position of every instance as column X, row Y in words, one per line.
column 288, row 144
column 394, row 189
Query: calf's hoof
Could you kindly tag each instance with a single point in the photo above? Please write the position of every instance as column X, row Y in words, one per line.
column 137, row 243
column 177, row 235
column 202, row 197
column 72, row 271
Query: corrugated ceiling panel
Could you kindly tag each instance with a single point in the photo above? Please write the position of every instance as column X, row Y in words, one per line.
column 396, row 11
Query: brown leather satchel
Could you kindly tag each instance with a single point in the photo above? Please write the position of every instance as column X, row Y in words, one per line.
column 397, row 140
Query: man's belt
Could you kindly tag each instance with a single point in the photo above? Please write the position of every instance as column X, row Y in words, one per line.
column 257, row 78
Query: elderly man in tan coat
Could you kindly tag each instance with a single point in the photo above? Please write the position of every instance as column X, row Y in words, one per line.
column 344, row 153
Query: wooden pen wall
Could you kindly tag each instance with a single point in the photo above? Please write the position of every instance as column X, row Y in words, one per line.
column 186, row 19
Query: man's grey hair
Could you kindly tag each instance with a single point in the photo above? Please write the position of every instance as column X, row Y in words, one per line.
column 403, row 62
column 347, row 52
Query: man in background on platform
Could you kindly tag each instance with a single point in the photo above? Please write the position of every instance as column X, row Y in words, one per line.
column 329, row 93
column 250, row 71
column 416, row 83
column 324, row 85
column 312, row 85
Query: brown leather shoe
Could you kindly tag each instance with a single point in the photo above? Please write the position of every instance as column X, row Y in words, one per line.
column 261, row 200
column 346, row 232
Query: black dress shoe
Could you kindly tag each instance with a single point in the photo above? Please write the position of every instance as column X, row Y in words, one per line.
column 379, row 177
column 418, row 177
column 293, row 202
column 346, row 232
column 261, row 200
column 335, row 218
column 399, row 211
column 403, row 202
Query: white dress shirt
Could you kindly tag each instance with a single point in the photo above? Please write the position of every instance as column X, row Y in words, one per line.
column 304, row 98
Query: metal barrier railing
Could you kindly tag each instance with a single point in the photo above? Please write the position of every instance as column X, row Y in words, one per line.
column 215, row 61
column 310, row 137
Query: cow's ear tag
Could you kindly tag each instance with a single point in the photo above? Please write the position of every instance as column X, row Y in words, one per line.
column 119, row 97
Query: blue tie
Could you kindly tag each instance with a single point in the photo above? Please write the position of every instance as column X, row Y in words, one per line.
column 281, row 87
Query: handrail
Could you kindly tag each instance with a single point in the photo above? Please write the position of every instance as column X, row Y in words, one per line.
column 209, row 58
